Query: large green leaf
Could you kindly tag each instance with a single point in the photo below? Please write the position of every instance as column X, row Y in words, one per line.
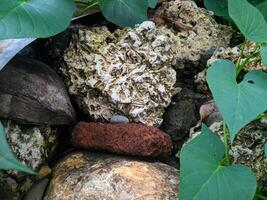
column 34, row 18
column 152, row 3
column 263, row 8
column 124, row 12
column 239, row 103
column 248, row 19
column 264, row 53
column 219, row 7
column 203, row 176
column 7, row 159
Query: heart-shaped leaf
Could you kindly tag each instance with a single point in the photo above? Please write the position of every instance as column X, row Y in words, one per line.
column 263, row 51
column 219, row 7
column 152, row 3
column 239, row 103
column 7, row 159
column 124, row 12
column 263, row 8
column 203, row 177
column 34, row 18
column 252, row 23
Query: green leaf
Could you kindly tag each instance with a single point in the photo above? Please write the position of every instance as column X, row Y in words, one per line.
column 252, row 23
column 34, row 18
column 219, row 7
column 263, row 52
column 239, row 103
column 152, row 3
column 265, row 150
column 263, row 8
column 7, row 159
column 203, row 176
column 124, row 12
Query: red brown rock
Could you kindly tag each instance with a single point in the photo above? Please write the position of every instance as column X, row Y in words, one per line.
column 130, row 139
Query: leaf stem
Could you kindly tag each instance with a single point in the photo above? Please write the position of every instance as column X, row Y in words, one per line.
column 225, row 138
column 247, row 61
column 260, row 196
column 242, row 52
column 87, row 8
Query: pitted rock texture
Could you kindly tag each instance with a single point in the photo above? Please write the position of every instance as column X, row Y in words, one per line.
column 32, row 93
column 91, row 176
column 127, row 72
column 198, row 36
column 32, row 145
column 130, row 139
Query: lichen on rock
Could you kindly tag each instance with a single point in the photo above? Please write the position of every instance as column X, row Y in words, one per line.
column 32, row 145
column 127, row 72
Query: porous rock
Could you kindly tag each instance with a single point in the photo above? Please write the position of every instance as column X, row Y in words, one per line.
column 32, row 93
column 91, row 176
column 248, row 149
column 195, row 33
column 127, row 72
column 130, row 139
column 33, row 146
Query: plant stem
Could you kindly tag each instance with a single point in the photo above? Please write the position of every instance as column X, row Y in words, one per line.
column 87, row 8
column 260, row 196
column 242, row 52
column 225, row 138
column 247, row 61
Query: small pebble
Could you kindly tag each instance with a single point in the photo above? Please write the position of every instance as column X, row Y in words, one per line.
column 119, row 119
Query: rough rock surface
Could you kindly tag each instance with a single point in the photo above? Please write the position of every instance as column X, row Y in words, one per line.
column 233, row 55
column 33, row 146
column 195, row 33
column 248, row 149
column 127, row 72
column 90, row 176
column 182, row 113
column 130, row 139
column 32, row 93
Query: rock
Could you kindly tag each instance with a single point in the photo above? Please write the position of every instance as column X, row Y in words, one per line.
column 181, row 115
column 130, row 139
column 8, row 188
column 127, row 72
column 119, row 119
column 233, row 55
column 33, row 146
column 101, row 176
column 37, row 191
column 32, row 93
column 194, row 32
column 248, row 149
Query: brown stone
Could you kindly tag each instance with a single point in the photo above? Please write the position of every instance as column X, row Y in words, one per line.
column 93, row 176
column 131, row 139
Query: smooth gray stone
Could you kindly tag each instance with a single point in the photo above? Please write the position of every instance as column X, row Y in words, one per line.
column 37, row 191
column 32, row 93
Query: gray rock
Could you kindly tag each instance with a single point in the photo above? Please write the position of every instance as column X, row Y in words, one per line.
column 119, row 119
column 32, row 93
column 92, row 176
column 37, row 191
column 180, row 116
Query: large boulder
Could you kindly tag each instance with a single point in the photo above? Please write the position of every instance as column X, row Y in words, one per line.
column 91, row 176
column 32, row 93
